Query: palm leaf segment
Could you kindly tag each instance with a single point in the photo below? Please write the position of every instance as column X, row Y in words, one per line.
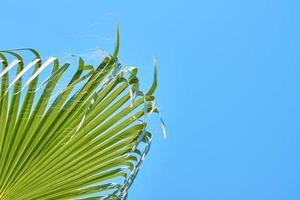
column 85, row 142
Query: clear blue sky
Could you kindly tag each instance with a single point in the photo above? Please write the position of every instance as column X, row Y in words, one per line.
column 229, row 79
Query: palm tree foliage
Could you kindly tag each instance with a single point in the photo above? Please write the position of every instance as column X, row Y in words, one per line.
column 86, row 141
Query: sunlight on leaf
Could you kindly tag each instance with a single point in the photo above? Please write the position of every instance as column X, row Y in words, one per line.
column 86, row 141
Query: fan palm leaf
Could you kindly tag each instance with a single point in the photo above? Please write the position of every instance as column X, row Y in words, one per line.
column 86, row 141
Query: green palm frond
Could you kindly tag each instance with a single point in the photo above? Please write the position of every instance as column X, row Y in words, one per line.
column 86, row 141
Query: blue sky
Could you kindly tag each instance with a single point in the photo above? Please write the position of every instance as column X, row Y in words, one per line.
column 228, row 85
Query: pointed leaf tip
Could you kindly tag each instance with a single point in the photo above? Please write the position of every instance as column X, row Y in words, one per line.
column 81, row 63
column 154, row 83
column 117, row 47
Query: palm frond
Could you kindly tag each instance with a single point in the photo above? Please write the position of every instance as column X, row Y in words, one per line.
column 85, row 141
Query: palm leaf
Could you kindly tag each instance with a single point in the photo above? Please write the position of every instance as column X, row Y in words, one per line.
column 86, row 141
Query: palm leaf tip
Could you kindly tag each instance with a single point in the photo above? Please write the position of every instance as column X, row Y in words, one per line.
column 81, row 139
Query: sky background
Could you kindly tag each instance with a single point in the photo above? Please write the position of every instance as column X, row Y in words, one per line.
column 228, row 91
